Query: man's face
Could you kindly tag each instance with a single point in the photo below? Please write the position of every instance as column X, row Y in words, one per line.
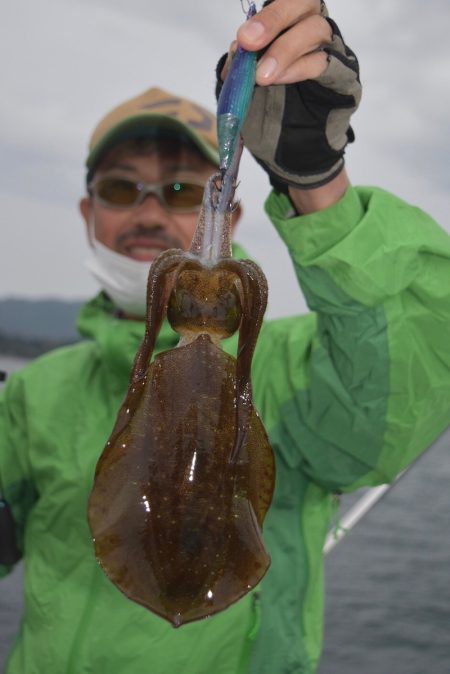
column 142, row 232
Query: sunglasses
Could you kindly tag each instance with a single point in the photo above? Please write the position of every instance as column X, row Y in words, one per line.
column 180, row 196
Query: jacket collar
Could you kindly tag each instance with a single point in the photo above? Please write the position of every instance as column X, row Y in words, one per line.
column 118, row 339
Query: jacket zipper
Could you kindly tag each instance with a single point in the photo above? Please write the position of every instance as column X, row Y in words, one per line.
column 252, row 634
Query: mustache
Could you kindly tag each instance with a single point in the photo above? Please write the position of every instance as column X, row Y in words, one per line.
column 156, row 232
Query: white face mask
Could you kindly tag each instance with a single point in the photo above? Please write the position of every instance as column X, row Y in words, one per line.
column 122, row 278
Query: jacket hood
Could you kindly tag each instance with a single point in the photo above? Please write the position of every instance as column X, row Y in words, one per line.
column 118, row 339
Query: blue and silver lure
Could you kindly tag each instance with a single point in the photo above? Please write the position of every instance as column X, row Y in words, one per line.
column 234, row 101
column 212, row 240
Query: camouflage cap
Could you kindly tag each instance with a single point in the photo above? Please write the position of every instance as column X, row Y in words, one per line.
column 154, row 109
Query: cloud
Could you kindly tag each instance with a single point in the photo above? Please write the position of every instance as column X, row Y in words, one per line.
column 65, row 64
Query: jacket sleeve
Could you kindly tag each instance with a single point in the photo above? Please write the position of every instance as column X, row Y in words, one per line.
column 16, row 484
column 361, row 387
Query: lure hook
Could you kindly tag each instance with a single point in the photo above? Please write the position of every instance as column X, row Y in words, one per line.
column 235, row 205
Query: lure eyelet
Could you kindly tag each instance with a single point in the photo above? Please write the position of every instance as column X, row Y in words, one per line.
column 250, row 6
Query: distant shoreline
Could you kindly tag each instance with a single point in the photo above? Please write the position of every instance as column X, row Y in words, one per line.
column 29, row 328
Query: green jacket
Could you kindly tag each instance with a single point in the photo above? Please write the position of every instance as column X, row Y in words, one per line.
column 350, row 394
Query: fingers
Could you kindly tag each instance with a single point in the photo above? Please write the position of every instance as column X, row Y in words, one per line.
column 292, row 32
column 259, row 31
column 308, row 67
column 295, row 56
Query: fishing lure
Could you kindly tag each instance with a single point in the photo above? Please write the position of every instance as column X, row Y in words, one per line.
column 234, row 100
column 187, row 475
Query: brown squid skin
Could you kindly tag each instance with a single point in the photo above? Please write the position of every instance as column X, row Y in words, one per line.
column 186, row 478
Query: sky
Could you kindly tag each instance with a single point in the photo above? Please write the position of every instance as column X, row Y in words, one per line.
column 65, row 63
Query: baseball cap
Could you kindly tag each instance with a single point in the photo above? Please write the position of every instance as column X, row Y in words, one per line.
column 154, row 109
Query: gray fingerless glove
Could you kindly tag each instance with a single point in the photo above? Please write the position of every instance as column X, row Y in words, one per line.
column 298, row 132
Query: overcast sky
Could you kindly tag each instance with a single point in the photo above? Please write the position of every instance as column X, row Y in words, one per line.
column 65, row 63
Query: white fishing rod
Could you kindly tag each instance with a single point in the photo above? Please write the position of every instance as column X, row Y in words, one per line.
column 366, row 504
column 356, row 513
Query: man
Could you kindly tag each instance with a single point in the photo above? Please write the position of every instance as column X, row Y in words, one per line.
column 349, row 394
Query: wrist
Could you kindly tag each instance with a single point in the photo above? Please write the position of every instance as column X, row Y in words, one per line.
column 318, row 199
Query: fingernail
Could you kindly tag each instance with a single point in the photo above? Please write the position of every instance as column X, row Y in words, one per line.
column 253, row 30
column 267, row 67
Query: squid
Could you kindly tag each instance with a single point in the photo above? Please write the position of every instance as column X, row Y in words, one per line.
column 187, row 476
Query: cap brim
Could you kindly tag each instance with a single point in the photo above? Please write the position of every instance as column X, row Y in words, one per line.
column 145, row 125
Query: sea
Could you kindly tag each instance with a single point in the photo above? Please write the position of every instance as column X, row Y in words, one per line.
column 387, row 598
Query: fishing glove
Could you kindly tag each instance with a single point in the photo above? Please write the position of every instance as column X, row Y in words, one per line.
column 298, row 132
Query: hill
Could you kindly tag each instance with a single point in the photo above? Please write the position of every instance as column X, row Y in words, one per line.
column 31, row 327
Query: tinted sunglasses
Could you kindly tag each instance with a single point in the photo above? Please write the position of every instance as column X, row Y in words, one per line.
column 181, row 196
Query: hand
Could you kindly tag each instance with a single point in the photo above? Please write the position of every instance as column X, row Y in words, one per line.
column 298, row 123
column 291, row 33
